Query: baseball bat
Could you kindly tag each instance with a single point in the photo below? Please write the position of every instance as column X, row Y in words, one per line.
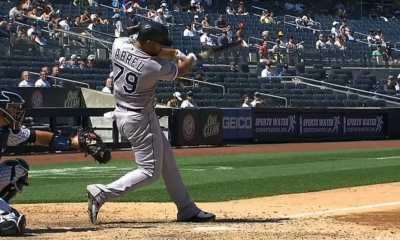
column 219, row 49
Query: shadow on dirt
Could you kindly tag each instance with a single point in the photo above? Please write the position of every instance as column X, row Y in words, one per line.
column 36, row 232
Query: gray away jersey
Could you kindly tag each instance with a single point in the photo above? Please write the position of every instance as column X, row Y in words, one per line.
column 136, row 74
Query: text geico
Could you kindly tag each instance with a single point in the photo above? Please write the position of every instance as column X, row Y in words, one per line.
column 237, row 122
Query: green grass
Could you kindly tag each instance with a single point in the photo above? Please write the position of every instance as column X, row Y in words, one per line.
column 221, row 178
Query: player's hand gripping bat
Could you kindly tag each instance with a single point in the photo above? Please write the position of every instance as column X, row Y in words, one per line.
column 218, row 49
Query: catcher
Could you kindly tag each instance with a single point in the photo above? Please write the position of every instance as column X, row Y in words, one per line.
column 14, row 173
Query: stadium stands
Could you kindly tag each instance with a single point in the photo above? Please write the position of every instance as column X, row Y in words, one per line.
column 320, row 73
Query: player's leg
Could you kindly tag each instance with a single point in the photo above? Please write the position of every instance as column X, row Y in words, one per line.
column 13, row 177
column 144, row 133
column 187, row 210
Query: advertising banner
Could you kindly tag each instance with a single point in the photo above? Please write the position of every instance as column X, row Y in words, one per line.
column 319, row 125
column 186, row 127
column 364, row 124
column 210, row 128
column 267, row 126
column 237, row 123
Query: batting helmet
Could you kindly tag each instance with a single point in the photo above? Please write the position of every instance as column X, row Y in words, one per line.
column 155, row 32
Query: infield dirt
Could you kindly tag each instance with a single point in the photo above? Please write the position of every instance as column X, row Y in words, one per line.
column 261, row 218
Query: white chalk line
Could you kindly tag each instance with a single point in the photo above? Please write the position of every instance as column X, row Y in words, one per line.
column 348, row 209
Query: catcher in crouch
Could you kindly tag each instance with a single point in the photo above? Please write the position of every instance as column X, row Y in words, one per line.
column 14, row 173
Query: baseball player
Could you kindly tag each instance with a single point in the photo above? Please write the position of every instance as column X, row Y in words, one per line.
column 138, row 66
column 14, row 173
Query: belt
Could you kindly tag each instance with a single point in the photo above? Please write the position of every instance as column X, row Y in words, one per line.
column 130, row 109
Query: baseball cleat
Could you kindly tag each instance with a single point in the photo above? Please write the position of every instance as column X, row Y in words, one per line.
column 93, row 207
column 200, row 217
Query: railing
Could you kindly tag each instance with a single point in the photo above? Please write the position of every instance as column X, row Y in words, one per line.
column 396, row 45
column 294, row 23
column 151, row 19
column 260, row 39
column 63, row 79
column 210, row 27
column 26, row 25
column 69, row 33
column 344, row 87
column 274, row 96
column 109, row 49
column 37, row 20
column 207, row 83
column 263, row 9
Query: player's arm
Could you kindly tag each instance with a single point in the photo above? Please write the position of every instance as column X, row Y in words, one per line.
column 168, row 53
column 88, row 142
column 170, row 71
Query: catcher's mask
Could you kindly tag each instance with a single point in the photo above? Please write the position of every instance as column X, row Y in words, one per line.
column 12, row 107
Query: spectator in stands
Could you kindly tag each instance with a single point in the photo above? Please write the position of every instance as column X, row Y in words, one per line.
column 246, row 101
column 83, row 18
column 65, row 24
column 266, row 37
column 7, row 31
column 164, row 9
column 177, row 7
column 175, row 101
column 160, row 17
column 377, row 55
column 229, row 33
column 38, row 39
column 265, row 17
column 189, row 103
column 391, row 84
column 200, row 7
column 284, row 69
column 196, row 24
column 15, row 12
column 90, row 61
column 379, row 39
column 118, row 27
column 206, row 21
column 132, row 24
column 63, row 63
column 99, row 15
column 277, row 50
column 220, row 22
column 283, row 40
column 109, row 88
column 223, row 39
column 74, row 63
column 200, row 77
column 264, row 52
column 25, row 80
column 43, row 80
column 397, row 87
column 192, row 7
column 186, row 84
column 344, row 38
column 34, row 28
column 292, row 51
column 344, row 25
column 94, row 26
column 330, row 44
column 335, row 29
column 351, row 36
column 129, row 6
column 45, row 69
column 267, row 72
column 151, row 13
column 240, row 35
column 26, row 5
column 189, row 31
column 371, row 38
column 230, row 10
column 338, row 43
column 233, row 67
column 305, row 20
column 47, row 13
column 257, row 100
column 388, row 54
column 33, row 14
column 320, row 45
column 206, row 39
column 53, row 81
column 241, row 9
column 272, row 18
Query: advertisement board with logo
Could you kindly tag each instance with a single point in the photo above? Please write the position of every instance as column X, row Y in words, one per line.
column 364, row 124
column 320, row 125
column 50, row 97
column 237, row 123
column 268, row 126
column 186, row 127
column 210, row 126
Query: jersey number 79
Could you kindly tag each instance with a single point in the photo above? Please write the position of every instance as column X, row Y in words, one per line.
column 131, row 79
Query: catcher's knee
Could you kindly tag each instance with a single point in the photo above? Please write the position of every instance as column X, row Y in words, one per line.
column 18, row 172
column 12, row 223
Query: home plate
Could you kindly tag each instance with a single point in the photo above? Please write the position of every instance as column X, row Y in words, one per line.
column 220, row 228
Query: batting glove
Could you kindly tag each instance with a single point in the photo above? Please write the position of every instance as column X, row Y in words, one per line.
column 181, row 56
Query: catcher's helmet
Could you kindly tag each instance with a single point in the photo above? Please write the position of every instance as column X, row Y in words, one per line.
column 155, row 32
column 12, row 107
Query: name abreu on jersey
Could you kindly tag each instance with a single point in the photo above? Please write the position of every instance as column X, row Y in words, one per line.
column 123, row 52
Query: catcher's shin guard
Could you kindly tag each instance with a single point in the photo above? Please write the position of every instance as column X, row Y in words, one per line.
column 12, row 223
column 17, row 172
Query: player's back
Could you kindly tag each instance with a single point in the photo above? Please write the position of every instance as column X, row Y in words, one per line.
column 136, row 75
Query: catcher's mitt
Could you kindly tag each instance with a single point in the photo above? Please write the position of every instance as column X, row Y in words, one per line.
column 92, row 144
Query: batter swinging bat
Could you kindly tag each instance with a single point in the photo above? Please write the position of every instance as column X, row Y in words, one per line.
column 219, row 49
